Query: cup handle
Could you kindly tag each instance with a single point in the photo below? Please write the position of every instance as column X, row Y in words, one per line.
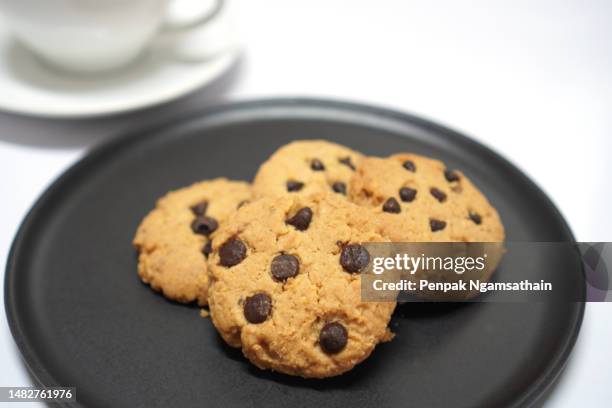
column 183, row 26
column 202, row 38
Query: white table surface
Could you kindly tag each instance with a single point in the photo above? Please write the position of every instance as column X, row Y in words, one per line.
column 532, row 79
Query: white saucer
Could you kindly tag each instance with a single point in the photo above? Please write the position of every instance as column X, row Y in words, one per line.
column 28, row 86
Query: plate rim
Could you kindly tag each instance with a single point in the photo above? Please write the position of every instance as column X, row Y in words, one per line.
column 43, row 377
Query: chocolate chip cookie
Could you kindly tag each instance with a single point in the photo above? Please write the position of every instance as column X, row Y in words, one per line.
column 285, row 284
column 422, row 200
column 305, row 167
column 419, row 199
column 173, row 240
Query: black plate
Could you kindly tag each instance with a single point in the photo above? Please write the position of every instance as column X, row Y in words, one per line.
column 81, row 317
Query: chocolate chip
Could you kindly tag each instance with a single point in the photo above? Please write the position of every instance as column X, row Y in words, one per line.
column 257, row 308
column 391, row 206
column 199, row 208
column 475, row 217
column 437, row 225
column 354, row 258
column 407, row 194
column 317, row 165
column 409, row 165
column 301, row 219
column 347, row 162
column 293, row 185
column 232, row 252
column 284, row 266
column 339, row 187
column 207, row 250
column 451, row 175
column 333, row 338
column 438, row 194
column 204, row 225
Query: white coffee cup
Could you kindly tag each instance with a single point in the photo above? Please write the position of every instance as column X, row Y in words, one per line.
column 94, row 35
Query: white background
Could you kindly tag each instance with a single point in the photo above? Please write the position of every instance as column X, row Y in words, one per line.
column 532, row 79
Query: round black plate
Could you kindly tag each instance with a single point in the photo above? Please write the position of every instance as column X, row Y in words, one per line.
column 82, row 318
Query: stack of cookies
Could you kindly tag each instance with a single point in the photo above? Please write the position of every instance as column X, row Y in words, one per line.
column 278, row 262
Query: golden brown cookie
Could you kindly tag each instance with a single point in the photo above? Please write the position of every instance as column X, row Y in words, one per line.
column 285, row 284
column 421, row 201
column 172, row 240
column 305, row 167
